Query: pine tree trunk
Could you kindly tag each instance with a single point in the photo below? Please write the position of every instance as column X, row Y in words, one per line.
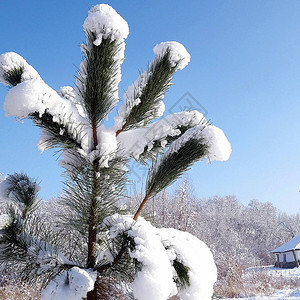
column 91, row 260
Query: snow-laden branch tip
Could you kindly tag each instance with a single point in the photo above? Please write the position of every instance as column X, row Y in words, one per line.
column 179, row 56
column 10, row 62
column 35, row 96
column 157, row 249
column 105, row 23
column 219, row 148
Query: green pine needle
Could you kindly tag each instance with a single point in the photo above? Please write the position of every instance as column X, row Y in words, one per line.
column 59, row 134
column 14, row 76
column 23, row 190
column 157, row 85
column 172, row 166
column 183, row 279
column 101, row 71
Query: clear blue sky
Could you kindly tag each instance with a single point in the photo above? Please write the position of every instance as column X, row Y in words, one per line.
column 245, row 71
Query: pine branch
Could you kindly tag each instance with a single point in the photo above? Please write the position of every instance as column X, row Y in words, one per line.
column 161, row 72
column 35, row 259
column 171, row 166
column 23, row 191
column 59, row 134
column 174, row 164
column 97, row 76
column 157, row 147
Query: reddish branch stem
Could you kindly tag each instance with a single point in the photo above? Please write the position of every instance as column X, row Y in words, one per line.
column 93, row 210
column 120, row 130
column 142, row 205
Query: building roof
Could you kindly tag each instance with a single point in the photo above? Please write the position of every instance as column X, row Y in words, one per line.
column 293, row 244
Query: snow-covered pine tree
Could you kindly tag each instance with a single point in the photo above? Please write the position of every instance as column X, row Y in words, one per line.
column 118, row 251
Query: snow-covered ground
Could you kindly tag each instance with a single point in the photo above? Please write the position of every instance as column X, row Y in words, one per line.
column 279, row 295
column 280, row 274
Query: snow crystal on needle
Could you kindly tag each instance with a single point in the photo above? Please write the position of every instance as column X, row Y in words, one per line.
column 195, row 255
column 10, row 61
column 72, row 284
column 178, row 53
column 131, row 99
column 105, row 22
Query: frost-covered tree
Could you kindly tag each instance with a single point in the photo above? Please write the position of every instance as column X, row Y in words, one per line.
column 116, row 253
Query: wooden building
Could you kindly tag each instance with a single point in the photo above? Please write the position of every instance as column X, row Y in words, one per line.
column 288, row 254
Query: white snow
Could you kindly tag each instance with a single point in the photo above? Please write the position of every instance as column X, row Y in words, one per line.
column 282, row 275
column 219, row 148
column 195, row 255
column 4, row 220
column 4, row 185
column 155, row 280
column 107, row 145
column 10, row 61
column 105, row 22
column 133, row 142
column 33, row 96
column 286, row 294
column 178, row 53
column 72, row 284
column 293, row 244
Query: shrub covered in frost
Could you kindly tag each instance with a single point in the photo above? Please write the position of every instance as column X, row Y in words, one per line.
column 143, row 262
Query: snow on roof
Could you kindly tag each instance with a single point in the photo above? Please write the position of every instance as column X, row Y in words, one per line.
column 293, row 244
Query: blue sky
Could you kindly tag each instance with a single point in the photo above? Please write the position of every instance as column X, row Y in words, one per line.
column 244, row 71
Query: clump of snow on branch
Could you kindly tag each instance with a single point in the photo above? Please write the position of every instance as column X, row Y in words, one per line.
column 156, row 249
column 4, row 221
column 105, row 22
column 219, row 148
column 196, row 256
column 107, row 146
column 69, row 93
column 178, row 53
column 133, row 142
column 34, row 96
column 155, row 279
column 12, row 61
column 156, row 275
column 72, row 284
